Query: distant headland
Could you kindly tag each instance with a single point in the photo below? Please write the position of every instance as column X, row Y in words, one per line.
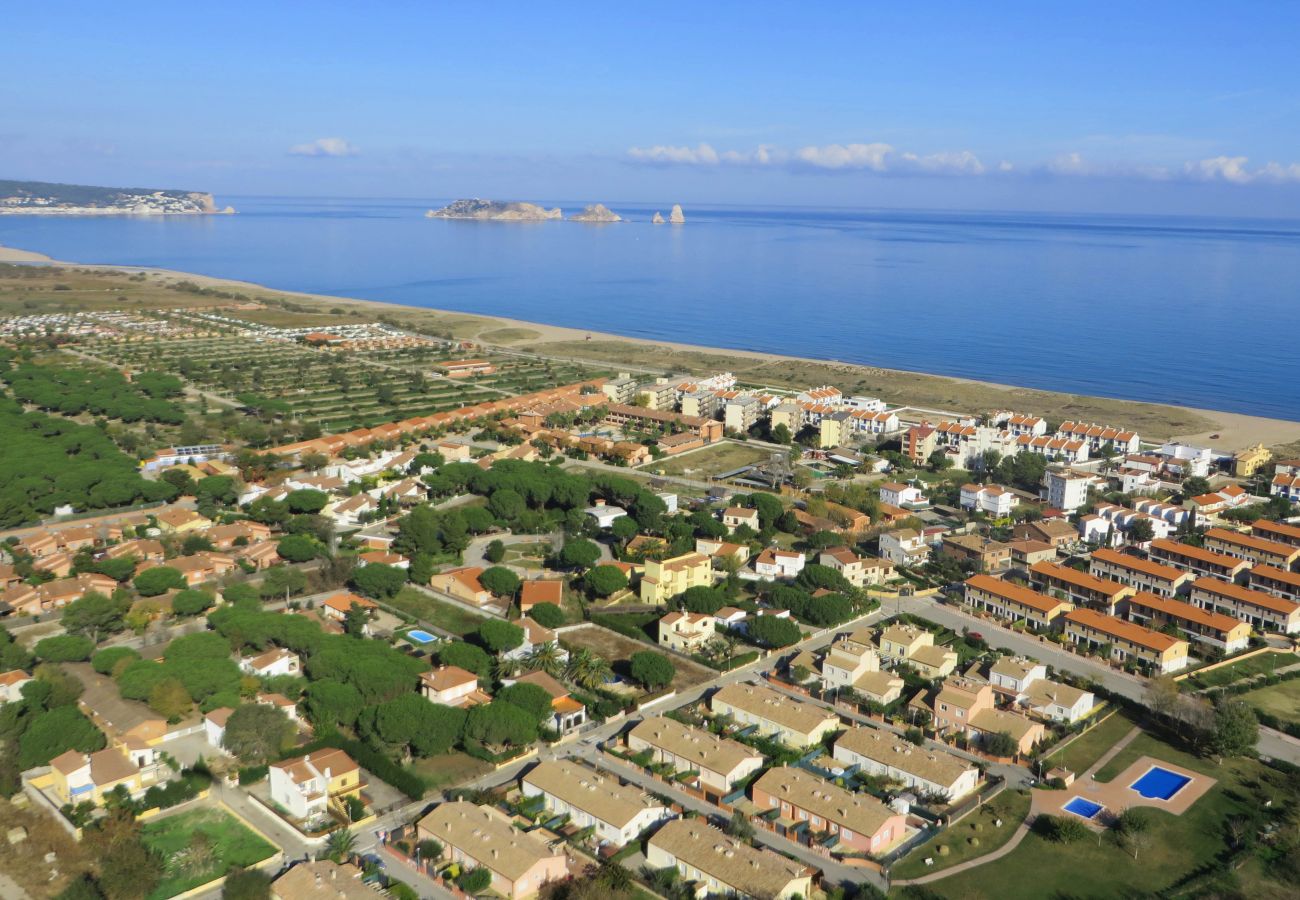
column 495, row 210
column 596, row 212
column 42, row 198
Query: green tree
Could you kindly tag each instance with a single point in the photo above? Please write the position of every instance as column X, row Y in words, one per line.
column 256, row 732
column 106, row 661
column 474, row 881
column 499, row 636
column 465, row 656
column 340, row 844
column 158, row 580
column 378, row 580
column 506, row 504
column 528, row 697
column 579, row 553
column 652, row 670
column 191, row 602
column 282, row 580
column 774, row 632
column 547, row 615
column 499, row 724
column 500, row 581
column 55, row 732
column 1000, row 743
column 412, row 722
column 333, row 704
column 297, row 548
column 602, row 581
column 588, row 670
column 1236, row 728
column 306, row 501
column 93, row 615
column 495, row 552
column 170, row 700
column 246, row 884
column 65, row 648
column 702, row 599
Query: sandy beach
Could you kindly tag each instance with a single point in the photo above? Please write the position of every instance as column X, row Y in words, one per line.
column 917, row 391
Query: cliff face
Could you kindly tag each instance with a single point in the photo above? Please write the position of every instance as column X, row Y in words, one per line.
column 676, row 217
column 596, row 212
column 495, row 210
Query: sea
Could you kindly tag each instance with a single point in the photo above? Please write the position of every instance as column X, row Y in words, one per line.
column 1190, row 311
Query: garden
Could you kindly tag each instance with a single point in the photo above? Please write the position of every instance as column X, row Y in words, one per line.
column 198, row 846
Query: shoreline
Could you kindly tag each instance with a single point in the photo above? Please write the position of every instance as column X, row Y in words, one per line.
column 1236, row 430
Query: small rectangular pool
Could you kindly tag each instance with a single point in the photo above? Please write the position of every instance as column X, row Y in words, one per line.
column 420, row 637
column 1084, row 809
column 1159, row 784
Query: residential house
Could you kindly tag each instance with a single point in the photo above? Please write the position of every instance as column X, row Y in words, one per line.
column 858, row 571
column 1015, row 603
column 1196, row 623
column 812, row 805
column 721, row 865
column 337, row 606
column 904, row 547
column 966, row 706
column 308, row 785
column 617, row 813
column 1012, row 675
column 1141, row 574
column 900, row 641
column 846, row 661
column 567, row 713
column 484, row 837
column 1275, row 581
column 772, row 564
column 987, row 555
column 1080, row 588
column 452, row 686
column 723, row 553
column 721, row 762
column 795, row 723
column 686, row 632
column 280, row 702
column 903, row 495
column 78, row 777
column 1263, row 609
column 735, row 516
column 541, row 590
column 1053, row 532
column 920, row 441
column 1126, row 641
column 989, row 499
column 1198, row 560
column 11, row 685
column 273, row 662
column 934, row 773
column 214, row 726
column 462, row 583
column 536, row 635
column 665, row 579
column 352, row 512
column 1066, row 488
column 1027, row 552
column 322, row 878
column 177, row 520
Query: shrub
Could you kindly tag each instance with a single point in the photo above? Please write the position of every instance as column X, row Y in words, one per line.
column 547, row 615
column 108, row 659
column 471, row 881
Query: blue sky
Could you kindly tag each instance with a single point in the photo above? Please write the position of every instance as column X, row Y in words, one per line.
column 1155, row 107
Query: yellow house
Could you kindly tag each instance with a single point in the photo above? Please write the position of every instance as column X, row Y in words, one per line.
column 1247, row 462
column 307, row 785
column 78, row 777
column 900, row 641
column 665, row 579
column 181, row 521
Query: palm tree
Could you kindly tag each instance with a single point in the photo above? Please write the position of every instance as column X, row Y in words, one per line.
column 340, row 844
column 547, row 658
column 589, row 670
column 504, row 668
column 613, row 877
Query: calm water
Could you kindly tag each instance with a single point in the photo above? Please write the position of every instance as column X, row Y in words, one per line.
column 1190, row 311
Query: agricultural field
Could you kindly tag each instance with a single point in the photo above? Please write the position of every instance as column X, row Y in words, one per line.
column 618, row 649
column 711, row 461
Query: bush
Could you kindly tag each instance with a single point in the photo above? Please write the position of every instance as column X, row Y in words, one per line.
column 252, row 774
column 65, row 648
column 547, row 615
column 471, row 881
column 106, row 660
column 652, row 669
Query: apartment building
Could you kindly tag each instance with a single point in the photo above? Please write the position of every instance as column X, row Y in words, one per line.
column 1082, row 589
column 660, row 395
column 1277, row 582
column 741, row 413
column 722, row 865
column 721, row 762
column 1066, row 489
column 1141, row 574
column 1100, row 437
column 795, row 723
column 616, row 812
column 1014, row 602
column 861, row 822
column 1197, row 560
column 1257, row 550
column 1128, row 642
column 1263, row 610
column 620, row 390
column 1278, row 532
column 1196, row 623
column 665, row 579
column 884, row 754
column 482, row 836
column 704, row 405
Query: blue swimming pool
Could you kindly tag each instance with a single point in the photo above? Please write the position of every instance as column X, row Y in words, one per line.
column 1084, row 809
column 420, row 637
column 1159, row 784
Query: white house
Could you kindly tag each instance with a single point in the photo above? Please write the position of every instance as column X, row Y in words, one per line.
column 11, row 685
column 604, row 514
column 988, row 498
column 275, row 661
column 1058, row 702
column 214, row 726
column 304, row 785
column 616, row 812
column 905, row 547
column 897, row 494
column 1066, row 490
column 772, row 564
column 1012, row 675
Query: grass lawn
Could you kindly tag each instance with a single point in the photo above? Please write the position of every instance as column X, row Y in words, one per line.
column 1103, row 869
column 233, row 845
column 1086, row 749
column 1282, row 700
column 1256, row 665
column 712, row 460
column 1010, row 806
column 444, row 615
column 449, row 770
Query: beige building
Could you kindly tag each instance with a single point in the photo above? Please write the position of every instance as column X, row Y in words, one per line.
column 1080, row 588
column 795, row 723
column 321, row 879
column 932, row 772
column 859, row 571
column 1126, row 641
column 1142, row 574
column 1015, row 602
column 720, row 762
column 966, row 706
column 665, row 579
column 617, row 813
column 686, row 632
column 722, row 865
column 482, row 836
column 1264, row 608
column 1256, row 550
column 861, row 822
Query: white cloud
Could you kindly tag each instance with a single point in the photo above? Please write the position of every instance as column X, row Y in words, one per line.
column 326, row 146
column 667, row 155
column 847, row 156
column 1233, row 170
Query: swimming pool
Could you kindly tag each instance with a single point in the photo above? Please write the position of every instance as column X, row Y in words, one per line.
column 420, row 637
column 1084, row 809
column 1159, row 784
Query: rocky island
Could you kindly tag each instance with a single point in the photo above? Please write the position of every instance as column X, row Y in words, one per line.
column 596, row 212
column 676, row 217
column 41, row 198
column 495, row 210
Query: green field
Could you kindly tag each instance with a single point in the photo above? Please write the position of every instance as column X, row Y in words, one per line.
column 1180, row 846
column 710, row 461
column 1247, row 668
column 232, row 844
column 430, row 609
column 1086, row 749
column 1010, row 806
column 449, row 770
column 1281, row 700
